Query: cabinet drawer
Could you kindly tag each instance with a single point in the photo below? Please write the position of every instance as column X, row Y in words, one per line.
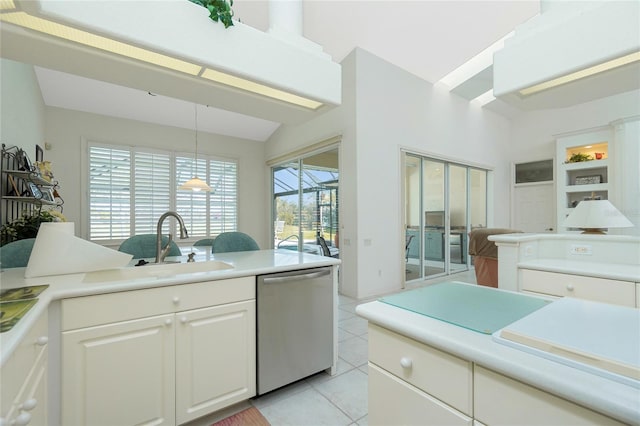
column 100, row 309
column 500, row 400
column 591, row 288
column 394, row 402
column 442, row 375
column 16, row 369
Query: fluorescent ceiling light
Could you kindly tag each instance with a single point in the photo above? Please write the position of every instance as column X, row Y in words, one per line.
column 475, row 65
column 7, row 5
column 485, row 98
column 258, row 88
column 103, row 43
column 605, row 66
column 65, row 32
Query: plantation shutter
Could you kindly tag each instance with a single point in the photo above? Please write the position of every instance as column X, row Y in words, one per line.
column 192, row 206
column 223, row 175
column 152, row 183
column 109, row 193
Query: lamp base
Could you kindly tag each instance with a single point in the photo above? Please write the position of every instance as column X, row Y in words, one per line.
column 594, row 231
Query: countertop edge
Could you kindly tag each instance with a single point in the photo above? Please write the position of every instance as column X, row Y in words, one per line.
column 610, row 398
column 74, row 287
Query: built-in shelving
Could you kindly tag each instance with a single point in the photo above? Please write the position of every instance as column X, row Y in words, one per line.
column 578, row 181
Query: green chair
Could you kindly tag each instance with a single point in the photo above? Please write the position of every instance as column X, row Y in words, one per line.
column 144, row 245
column 204, row 242
column 233, row 241
column 16, row 254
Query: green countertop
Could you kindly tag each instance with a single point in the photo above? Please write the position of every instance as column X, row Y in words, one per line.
column 478, row 308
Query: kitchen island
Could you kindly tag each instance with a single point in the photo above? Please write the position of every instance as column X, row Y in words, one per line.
column 425, row 368
column 179, row 330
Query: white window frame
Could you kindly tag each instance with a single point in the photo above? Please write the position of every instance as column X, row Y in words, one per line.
column 85, row 185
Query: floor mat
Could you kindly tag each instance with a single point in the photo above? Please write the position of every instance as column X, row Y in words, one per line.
column 249, row 417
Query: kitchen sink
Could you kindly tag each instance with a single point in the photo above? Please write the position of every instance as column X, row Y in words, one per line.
column 152, row 270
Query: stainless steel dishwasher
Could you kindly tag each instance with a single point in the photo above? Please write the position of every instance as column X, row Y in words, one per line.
column 294, row 326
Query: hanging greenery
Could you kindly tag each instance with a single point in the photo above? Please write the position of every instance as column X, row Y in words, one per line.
column 219, row 10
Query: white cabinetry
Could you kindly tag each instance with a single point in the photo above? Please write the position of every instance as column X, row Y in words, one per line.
column 165, row 355
column 581, row 287
column 584, row 179
column 411, row 383
column 499, row 400
column 23, row 394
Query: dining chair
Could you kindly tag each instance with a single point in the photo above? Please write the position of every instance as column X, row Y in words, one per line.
column 204, row 242
column 233, row 241
column 16, row 253
column 144, row 245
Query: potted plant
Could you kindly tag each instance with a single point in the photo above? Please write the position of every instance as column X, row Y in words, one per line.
column 27, row 225
column 579, row 157
column 219, row 10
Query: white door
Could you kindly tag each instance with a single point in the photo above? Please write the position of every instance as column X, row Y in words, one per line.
column 120, row 374
column 215, row 358
column 534, row 207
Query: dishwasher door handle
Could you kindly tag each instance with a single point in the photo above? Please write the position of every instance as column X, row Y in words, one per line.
column 311, row 275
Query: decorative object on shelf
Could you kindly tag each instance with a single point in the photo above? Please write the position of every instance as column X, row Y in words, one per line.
column 39, row 153
column 579, row 157
column 588, row 180
column 27, row 225
column 44, row 168
column 219, row 10
column 599, row 155
column 594, row 216
column 22, row 160
column 195, row 184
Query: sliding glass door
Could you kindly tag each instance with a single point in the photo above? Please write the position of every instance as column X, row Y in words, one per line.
column 305, row 203
column 442, row 200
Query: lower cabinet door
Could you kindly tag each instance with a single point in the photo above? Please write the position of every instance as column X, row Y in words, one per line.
column 215, row 358
column 120, row 374
column 392, row 401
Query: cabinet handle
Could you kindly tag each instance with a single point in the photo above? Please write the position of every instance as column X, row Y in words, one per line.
column 168, row 322
column 23, row 418
column 176, row 300
column 570, row 287
column 406, row 362
column 42, row 340
column 183, row 320
column 29, row 404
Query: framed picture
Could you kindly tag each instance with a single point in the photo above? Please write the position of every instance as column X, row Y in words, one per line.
column 39, row 153
column 47, row 194
column 32, row 191
column 22, row 161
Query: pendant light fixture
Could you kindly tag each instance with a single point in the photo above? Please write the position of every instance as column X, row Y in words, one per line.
column 195, row 184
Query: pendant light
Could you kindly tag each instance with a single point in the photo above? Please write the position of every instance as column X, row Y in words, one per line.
column 195, row 184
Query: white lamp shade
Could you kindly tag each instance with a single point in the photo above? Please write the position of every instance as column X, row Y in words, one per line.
column 596, row 214
column 195, row 184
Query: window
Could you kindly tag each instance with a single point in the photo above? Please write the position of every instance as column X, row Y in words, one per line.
column 130, row 187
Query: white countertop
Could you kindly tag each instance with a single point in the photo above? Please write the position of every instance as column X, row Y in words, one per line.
column 609, row 397
column 64, row 286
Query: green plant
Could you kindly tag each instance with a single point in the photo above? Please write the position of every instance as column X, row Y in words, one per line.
column 578, row 157
column 219, row 10
column 27, row 225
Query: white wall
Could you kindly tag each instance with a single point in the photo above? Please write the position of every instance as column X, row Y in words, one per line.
column 21, row 107
column 65, row 130
column 385, row 108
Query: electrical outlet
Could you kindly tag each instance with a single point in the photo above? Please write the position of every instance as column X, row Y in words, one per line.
column 581, row 249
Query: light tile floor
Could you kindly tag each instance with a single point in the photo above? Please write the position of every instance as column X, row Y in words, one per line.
column 339, row 400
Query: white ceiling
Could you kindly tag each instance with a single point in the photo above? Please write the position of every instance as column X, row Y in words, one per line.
column 426, row 38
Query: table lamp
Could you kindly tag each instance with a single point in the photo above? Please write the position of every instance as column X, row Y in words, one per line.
column 592, row 216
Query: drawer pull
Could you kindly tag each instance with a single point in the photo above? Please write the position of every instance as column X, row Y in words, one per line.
column 176, row 300
column 183, row 320
column 23, row 418
column 570, row 287
column 168, row 322
column 42, row 340
column 406, row 362
column 29, row 404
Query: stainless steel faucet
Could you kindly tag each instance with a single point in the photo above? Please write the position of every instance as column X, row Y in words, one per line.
column 161, row 252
